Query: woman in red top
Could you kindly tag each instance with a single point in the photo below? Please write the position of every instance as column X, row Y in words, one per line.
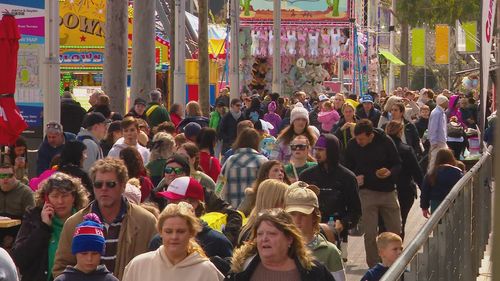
column 176, row 114
column 206, row 143
column 136, row 169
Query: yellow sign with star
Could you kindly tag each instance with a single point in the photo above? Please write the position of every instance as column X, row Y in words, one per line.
column 82, row 25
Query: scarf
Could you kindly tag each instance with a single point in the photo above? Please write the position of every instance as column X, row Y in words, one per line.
column 236, row 115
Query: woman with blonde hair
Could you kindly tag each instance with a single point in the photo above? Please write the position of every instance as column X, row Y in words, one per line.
column 59, row 197
column 193, row 114
column 270, row 194
column 180, row 257
column 276, row 251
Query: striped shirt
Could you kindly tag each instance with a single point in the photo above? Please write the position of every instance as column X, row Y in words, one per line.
column 111, row 234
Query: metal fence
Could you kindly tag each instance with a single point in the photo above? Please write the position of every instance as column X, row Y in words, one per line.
column 451, row 244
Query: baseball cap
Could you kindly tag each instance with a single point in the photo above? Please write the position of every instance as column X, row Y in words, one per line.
column 93, row 118
column 183, row 188
column 301, row 198
column 192, row 130
column 140, row 101
column 366, row 98
column 323, row 97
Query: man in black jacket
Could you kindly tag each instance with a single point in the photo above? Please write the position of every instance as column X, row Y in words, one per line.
column 227, row 129
column 338, row 196
column 72, row 109
column 373, row 158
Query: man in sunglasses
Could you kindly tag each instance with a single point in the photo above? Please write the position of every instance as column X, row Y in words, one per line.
column 339, row 199
column 300, row 148
column 15, row 198
column 128, row 227
column 52, row 145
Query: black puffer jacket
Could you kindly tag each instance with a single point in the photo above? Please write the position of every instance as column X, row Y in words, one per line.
column 338, row 195
column 317, row 273
column 31, row 249
column 70, row 107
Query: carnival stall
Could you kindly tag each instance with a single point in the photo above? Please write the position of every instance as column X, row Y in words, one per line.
column 317, row 45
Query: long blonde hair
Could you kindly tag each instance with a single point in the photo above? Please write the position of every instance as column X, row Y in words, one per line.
column 284, row 223
column 184, row 211
column 270, row 194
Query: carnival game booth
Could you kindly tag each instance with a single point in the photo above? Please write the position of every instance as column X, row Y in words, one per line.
column 316, row 44
column 82, row 44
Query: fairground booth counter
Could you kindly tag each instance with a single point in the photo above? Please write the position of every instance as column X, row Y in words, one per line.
column 318, row 49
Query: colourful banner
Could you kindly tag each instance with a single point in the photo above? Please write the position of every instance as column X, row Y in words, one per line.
column 291, row 10
column 418, row 47
column 470, row 29
column 442, row 44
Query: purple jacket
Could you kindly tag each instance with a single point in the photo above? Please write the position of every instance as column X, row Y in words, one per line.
column 275, row 120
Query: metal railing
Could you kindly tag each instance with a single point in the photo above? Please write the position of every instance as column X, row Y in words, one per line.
column 451, row 244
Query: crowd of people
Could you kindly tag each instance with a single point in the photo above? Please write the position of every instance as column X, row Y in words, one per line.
column 265, row 188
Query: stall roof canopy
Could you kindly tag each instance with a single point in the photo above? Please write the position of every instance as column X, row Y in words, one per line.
column 390, row 57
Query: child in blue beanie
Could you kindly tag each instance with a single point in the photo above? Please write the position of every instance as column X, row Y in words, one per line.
column 88, row 246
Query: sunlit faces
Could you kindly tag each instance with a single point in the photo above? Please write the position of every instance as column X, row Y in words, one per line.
column 88, row 261
column 396, row 113
column 348, row 113
column 391, row 252
column 299, row 125
column 272, row 243
column 140, row 108
column 176, row 171
column 305, row 222
column 276, row 172
column 320, row 154
column 364, row 139
column 175, row 235
column 62, row 202
column 55, row 139
column 108, row 195
column 299, row 147
column 7, row 178
column 130, row 135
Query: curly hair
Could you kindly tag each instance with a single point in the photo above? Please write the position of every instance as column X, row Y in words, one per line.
column 184, row 211
column 63, row 183
column 284, row 223
column 110, row 165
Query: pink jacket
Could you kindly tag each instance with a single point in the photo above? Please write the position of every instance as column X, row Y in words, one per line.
column 328, row 119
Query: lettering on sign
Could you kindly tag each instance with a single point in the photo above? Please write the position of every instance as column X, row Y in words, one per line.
column 84, row 24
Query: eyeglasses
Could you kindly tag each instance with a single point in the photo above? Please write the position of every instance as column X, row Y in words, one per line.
column 298, row 147
column 108, row 184
column 177, row 171
column 6, row 176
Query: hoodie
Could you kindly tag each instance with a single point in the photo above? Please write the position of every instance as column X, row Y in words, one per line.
column 156, row 266
column 119, row 145
column 94, row 151
column 272, row 117
column 73, row 274
column 339, row 196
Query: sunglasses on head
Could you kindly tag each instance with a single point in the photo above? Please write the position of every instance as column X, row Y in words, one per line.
column 108, row 184
column 6, row 176
column 298, row 147
column 177, row 171
column 54, row 126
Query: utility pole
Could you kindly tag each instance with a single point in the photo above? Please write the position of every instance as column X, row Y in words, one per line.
column 234, row 54
column 143, row 50
column 115, row 54
column 171, row 4
column 51, row 79
column 203, row 67
column 277, row 47
column 180, row 53
column 392, row 30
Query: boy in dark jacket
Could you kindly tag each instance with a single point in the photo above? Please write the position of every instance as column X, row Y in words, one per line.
column 88, row 245
column 389, row 247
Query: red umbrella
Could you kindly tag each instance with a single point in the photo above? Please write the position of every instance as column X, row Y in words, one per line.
column 12, row 124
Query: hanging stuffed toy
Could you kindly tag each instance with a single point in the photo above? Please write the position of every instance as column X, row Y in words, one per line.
column 325, row 42
column 255, row 42
column 301, row 35
column 264, row 37
column 292, row 40
column 270, row 47
column 284, row 40
column 313, row 43
column 335, row 42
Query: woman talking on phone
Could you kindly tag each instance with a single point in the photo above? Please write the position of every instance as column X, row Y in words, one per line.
column 34, row 251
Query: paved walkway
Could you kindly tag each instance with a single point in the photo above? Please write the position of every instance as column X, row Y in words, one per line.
column 356, row 266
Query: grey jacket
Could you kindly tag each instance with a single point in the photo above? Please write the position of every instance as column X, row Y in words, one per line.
column 94, row 151
column 8, row 270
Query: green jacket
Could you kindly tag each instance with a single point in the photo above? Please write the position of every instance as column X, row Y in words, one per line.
column 15, row 202
column 327, row 253
column 214, row 120
column 156, row 114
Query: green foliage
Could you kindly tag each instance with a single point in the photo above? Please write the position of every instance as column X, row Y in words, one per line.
column 431, row 12
column 418, row 79
column 246, row 6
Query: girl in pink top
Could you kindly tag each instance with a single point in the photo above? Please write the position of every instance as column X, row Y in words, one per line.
column 328, row 117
